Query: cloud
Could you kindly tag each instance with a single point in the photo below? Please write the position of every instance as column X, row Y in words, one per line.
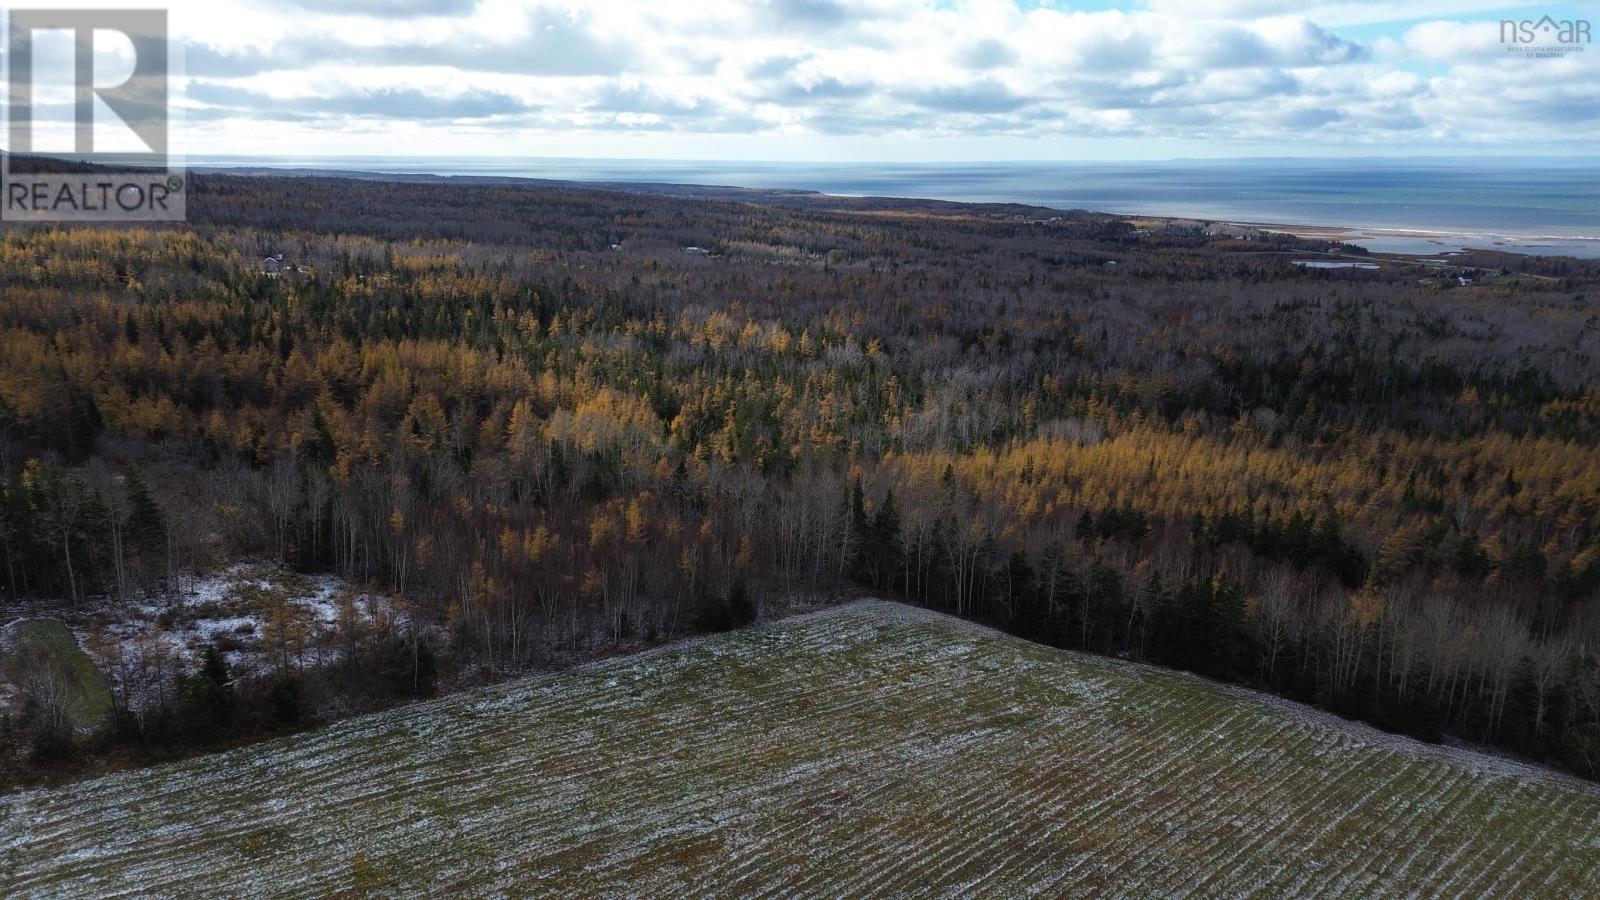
column 1334, row 13
column 976, row 97
column 774, row 66
column 1309, row 117
column 822, row 89
column 404, row 103
column 1219, row 71
column 988, row 53
column 389, row 7
column 1227, row 87
column 812, row 14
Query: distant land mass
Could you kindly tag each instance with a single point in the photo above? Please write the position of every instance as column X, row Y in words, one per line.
column 1546, row 206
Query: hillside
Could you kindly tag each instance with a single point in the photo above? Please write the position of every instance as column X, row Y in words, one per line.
column 555, row 422
column 869, row 749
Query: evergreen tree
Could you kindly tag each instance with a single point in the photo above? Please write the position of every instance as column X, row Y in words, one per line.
column 146, row 523
column 206, row 708
column 1085, row 530
column 741, row 608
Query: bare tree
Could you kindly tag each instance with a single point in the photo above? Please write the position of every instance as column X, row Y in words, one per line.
column 1277, row 618
column 282, row 493
column 108, row 484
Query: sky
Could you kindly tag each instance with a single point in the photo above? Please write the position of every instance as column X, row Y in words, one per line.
column 878, row 80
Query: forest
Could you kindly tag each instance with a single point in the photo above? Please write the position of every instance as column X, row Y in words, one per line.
column 547, row 430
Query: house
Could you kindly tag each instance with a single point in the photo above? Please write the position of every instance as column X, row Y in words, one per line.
column 272, row 266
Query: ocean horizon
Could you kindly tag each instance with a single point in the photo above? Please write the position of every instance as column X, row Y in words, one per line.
column 1546, row 205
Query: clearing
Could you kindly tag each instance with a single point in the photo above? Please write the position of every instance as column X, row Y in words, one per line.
column 868, row 749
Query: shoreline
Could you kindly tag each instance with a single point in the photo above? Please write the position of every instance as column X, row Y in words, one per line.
column 1395, row 240
column 1423, row 242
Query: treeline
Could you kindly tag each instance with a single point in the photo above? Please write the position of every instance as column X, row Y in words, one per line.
column 1405, row 656
column 1347, row 490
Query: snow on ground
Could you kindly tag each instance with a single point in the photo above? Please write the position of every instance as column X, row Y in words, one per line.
column 872, row 749
column 249, row 610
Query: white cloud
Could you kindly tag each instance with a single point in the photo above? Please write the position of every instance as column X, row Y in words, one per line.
column 521, row 72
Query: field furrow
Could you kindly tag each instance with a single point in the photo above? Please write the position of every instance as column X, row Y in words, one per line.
column 869, row 750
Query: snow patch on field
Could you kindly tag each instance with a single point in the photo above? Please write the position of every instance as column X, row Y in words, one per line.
column 873, row 749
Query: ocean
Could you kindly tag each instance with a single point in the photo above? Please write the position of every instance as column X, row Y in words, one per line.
column 1543, row 206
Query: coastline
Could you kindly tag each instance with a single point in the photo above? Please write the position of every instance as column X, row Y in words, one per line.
column 1395, row 240
column 1424, row 242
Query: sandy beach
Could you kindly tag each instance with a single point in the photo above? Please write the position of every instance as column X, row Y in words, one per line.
column 1417, row 242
